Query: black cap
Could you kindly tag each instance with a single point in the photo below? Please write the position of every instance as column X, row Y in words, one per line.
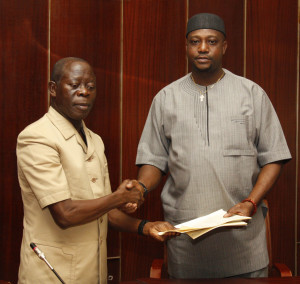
column 205, row 21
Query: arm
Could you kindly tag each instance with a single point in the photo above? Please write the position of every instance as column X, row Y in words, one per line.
column 122, row 222
column 150, row 176
column 70, row 212
column 265, row 181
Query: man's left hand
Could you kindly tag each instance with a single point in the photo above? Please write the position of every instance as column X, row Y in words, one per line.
column 129, row 208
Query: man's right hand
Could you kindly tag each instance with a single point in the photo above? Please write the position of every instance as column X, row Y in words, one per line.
column 131, row 207
column 132, row 195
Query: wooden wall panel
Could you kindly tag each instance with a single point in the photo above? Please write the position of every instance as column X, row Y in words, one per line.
column 23, row 80
column 154, row 56
column 232, row 12
column 272, row 63
column 90, row 29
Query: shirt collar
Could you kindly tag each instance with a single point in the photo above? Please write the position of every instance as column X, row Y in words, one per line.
column 67, row 129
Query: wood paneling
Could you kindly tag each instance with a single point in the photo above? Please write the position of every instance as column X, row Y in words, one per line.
column 90, row 29
column 232, row 12
column 154, row 56
column 271, row 62
column 153, row 53
column 23, row 80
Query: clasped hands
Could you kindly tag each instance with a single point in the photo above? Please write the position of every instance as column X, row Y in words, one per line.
column 134, row 195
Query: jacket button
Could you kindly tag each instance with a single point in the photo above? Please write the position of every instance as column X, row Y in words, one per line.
column 94, row 180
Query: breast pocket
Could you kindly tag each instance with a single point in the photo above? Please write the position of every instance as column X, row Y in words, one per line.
column 237, row 133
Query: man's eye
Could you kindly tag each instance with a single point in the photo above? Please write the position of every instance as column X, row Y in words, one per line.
column 91, row 87
column 194, row 42
column 212, row 42
column 74, row 86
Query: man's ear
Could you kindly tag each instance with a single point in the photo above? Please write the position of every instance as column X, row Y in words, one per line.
column 224, row 46
column 52, row 88
column 186, row 45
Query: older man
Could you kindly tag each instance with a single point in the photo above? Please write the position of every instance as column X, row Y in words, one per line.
column 65, row 186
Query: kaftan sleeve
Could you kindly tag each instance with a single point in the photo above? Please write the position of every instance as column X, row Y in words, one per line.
column 153, row 147
column 271, row 142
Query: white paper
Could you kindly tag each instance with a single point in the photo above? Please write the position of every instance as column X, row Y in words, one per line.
column 201, row 225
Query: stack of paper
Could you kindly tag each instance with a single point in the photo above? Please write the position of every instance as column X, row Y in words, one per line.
column 199, row 226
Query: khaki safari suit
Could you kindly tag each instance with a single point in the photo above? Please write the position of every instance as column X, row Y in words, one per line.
column 54, row 164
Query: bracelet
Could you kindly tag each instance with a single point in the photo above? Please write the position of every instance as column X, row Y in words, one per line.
column 146, row 191
column 141, row 226
column 253, row 203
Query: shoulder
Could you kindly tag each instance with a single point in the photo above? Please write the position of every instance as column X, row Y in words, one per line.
column 176, row 84
column 243, row 84
column 38, row 137
column 39, row 128
column 171, row 89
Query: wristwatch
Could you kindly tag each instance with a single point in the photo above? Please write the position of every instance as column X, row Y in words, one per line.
column 145, row 189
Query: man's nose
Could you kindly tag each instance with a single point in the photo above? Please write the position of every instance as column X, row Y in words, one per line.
column 83, row 91
column 203, row 47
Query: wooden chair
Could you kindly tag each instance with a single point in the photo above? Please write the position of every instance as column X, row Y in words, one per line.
column 159, row 266
column 4, row 282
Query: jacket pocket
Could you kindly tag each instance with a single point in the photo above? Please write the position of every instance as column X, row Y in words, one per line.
column 61, row 258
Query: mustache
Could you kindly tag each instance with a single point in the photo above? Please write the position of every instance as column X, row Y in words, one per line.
column 203, row 57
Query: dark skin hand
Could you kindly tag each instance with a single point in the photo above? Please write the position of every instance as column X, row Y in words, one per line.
column 266, row 179
column 132, row 207
column 153, row 228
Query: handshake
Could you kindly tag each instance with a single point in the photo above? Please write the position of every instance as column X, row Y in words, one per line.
column 133, row 195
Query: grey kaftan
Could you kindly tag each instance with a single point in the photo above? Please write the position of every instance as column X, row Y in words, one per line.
column 213, row 149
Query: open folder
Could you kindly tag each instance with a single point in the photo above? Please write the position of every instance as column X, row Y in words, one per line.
column 199, row 226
